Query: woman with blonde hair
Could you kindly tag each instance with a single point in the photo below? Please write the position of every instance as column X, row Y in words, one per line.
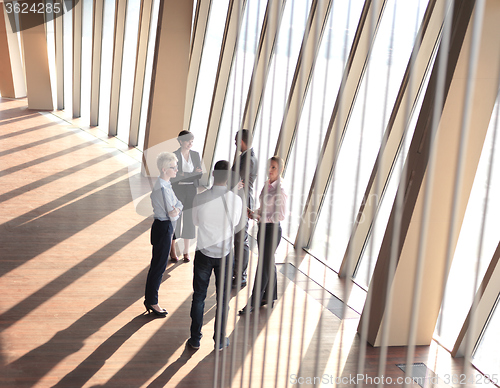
column 166, row 209
column 272, row 210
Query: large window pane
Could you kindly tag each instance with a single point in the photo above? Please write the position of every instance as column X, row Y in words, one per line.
column 108, row 28
column 68, row 61
column 487, row 357
column 369, row 256
column 371, row 111
column 208, row 70
column 468, row 265
column 278, row 84
column 87, row 11
column 128, row 69
column 239, row 81
column 148, row 74
column 51, row 49
column 320, row 100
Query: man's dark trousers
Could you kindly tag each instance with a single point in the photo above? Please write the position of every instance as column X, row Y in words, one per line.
column 203, row 266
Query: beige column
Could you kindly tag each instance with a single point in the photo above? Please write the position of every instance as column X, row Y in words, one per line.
column 415, row 303
column 169, row 79
column 12, row 83
column 36, row 61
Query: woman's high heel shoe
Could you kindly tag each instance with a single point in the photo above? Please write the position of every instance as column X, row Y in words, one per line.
column 173, row 253
column 150, row 309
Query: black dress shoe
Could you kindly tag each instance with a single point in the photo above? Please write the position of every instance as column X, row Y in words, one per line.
column 245, row 310
column 150, row 309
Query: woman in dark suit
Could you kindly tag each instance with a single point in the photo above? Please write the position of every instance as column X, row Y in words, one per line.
column 185, row 186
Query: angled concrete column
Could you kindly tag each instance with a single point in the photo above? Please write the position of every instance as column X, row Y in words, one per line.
column 12, row 82
column 169, row 79
column 36, row 61
column 467, row 108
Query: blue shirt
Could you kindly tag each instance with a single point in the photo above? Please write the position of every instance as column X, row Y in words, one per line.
column 162, row 195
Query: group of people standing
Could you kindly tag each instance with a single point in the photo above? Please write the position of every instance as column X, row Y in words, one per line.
column 221, row 214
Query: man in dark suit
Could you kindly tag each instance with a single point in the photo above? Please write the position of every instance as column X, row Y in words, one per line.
column 244, row 174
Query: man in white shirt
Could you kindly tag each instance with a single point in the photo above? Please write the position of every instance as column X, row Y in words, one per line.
column 216, row 212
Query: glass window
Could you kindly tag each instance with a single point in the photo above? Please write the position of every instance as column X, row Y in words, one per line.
column 371, row 111
column 87, row 22
column 195, row 4
column 51, row 50
column 475, row 245
column 68, row 60
column 487, row 358
column 208, row 70
column 148, row 74
column 108, row 28
column 278, row 84
column 320, row 100
column 128, row 69
column 241, row 73
column 369, row 256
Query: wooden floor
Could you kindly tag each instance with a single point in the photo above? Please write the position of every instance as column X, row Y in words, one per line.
column 74, row 254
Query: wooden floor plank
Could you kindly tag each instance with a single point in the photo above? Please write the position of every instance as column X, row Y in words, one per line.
column 75, row 251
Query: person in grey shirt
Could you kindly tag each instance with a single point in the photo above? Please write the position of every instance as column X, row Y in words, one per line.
column 215, row 212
